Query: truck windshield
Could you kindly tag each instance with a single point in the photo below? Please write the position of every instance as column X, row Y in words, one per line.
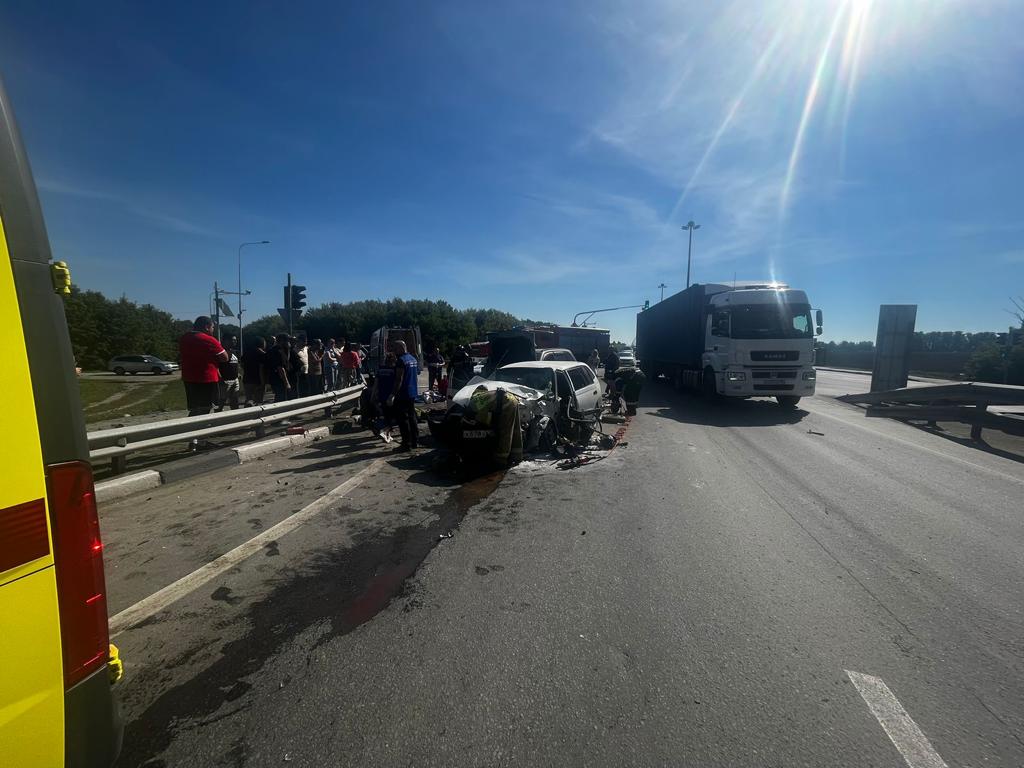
column 771, row 321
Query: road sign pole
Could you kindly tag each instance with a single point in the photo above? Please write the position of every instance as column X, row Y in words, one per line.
column 288, row 303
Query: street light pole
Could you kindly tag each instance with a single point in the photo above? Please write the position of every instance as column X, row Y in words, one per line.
column 663, row 287
column 690, row 225
column 240, row 247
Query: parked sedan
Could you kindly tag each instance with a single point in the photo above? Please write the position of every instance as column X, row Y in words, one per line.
column 140, row 364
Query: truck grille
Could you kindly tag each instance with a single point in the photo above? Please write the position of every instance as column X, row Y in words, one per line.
column 773, row 374
column 765, row 356
column 773, row 387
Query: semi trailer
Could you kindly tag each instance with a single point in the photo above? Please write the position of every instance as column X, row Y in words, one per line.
column 739, row 339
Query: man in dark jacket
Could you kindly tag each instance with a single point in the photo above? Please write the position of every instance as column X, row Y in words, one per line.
column 277, row 369
column 611, row 365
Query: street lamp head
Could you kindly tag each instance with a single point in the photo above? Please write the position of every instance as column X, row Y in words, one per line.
column 264, row 242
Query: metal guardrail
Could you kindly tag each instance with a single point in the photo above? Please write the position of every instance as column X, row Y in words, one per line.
column 117, row 443
column 966, row 403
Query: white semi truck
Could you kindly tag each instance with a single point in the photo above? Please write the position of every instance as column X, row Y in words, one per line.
column 741, row 339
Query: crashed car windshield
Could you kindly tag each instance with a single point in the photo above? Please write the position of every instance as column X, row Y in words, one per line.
column 536, row 378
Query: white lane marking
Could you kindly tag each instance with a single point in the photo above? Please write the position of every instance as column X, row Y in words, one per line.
column 912, row 444
column 901, row 728
column 159, row 600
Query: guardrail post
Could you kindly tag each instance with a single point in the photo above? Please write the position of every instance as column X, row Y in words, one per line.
column 119, row 464
column 261, row 431
column 976, row 428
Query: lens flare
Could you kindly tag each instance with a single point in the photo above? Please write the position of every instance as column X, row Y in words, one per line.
column 809, row 101
column 737, row 102
column 850, row 68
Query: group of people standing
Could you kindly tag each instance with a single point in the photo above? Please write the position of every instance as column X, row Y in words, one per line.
column 293, row 367
column 215, row 375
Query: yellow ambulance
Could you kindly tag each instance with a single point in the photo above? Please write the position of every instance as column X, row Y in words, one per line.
column 57, row 667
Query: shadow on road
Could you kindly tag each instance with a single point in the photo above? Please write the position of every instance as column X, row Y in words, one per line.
column 1007, row 446
column 691, row 408
column 333, row 592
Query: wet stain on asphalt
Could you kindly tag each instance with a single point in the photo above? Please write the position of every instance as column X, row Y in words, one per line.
column 344, row 588
column 224, row 595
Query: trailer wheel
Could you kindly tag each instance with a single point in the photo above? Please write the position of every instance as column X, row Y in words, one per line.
column 788, row 402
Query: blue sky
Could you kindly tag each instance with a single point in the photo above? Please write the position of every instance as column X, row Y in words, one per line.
column 536, row 157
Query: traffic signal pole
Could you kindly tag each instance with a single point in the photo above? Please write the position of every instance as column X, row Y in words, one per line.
column 288, row 303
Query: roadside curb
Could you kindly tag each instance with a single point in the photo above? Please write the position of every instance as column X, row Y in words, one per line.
column 249, row 452
column 126, row 485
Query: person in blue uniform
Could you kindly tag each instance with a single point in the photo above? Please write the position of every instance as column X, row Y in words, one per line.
column 403, row 396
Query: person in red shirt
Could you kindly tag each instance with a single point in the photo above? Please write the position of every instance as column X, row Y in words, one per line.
column 201, row 355
column 349, row 366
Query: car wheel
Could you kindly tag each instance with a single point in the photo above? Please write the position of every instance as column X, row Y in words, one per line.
column 132, row 372
column 788, row 402
column 119, row 371
column 156, row 371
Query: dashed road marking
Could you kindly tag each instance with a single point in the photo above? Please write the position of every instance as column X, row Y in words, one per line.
column 159, row 600
column 900, row 726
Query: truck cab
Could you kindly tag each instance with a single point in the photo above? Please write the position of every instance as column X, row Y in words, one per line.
column 759, row 342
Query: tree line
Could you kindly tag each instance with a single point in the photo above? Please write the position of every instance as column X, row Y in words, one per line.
column 981, row 356
column 439, row 322
column 102, row 328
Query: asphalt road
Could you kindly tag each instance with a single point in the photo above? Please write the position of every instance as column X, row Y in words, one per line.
column 734, row 585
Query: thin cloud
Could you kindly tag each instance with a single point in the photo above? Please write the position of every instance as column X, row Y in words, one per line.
column 1011, row 257
column 158, row 218
column 517, row 267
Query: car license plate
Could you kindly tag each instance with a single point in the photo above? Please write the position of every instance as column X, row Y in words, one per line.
column 471, row 433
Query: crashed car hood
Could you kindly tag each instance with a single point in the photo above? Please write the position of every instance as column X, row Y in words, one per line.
column 463, row 396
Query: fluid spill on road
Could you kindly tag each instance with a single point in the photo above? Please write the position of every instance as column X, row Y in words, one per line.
column 388, row 581
column 344, row 589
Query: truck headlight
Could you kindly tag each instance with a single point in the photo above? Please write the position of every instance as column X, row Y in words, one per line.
column 735, row 376
column 810, row 375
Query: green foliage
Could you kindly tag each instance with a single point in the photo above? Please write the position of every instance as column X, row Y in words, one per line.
column 952, row 341
column 986, row 364
column 1015, row 364
column 997, row 364
column 101, row 329
column 439, row 322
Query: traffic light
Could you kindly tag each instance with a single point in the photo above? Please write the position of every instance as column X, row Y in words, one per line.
column 298, row 297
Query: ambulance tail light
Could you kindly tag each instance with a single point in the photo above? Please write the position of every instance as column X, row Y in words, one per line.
column 78, row 559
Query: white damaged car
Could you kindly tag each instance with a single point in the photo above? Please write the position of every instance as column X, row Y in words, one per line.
column 558, row 400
